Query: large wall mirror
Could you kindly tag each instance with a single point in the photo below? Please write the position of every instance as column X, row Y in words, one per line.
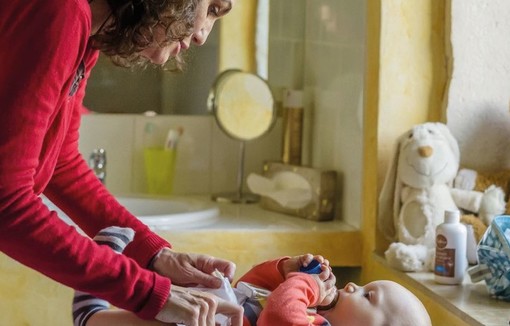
column 314, row 46
column 113, row 89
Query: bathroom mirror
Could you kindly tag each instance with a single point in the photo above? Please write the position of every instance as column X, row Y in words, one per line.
column 243, row 106
column 112, row 89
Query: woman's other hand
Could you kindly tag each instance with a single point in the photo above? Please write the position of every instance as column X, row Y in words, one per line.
column 195, row 308
column 192, row 269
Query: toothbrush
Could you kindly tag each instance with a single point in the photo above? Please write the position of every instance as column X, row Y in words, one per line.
column 172, row 138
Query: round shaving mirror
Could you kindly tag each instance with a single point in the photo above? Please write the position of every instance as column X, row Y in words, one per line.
column 243, row 106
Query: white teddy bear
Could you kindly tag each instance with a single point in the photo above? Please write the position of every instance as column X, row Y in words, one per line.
column 417, row 191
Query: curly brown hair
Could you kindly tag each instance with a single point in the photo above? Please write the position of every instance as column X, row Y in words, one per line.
column 131, row 24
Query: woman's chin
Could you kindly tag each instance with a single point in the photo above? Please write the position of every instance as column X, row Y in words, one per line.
column 159, row 60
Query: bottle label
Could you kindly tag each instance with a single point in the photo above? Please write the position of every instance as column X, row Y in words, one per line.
column 445, row 258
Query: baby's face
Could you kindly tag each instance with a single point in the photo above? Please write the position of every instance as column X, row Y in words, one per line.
column 374, row 304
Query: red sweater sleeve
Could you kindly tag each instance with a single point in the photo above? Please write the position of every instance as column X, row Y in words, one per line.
column 77, row 191
column 287, row 305
column 265, row 275
column 41, row 45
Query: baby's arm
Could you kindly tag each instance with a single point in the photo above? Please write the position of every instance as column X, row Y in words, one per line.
column 266, row 275
column 288, row 303
column 271, row 273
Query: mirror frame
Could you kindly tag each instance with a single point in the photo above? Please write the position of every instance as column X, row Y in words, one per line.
column 212, row 104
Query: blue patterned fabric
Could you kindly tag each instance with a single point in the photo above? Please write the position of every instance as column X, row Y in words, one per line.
column 494, row 259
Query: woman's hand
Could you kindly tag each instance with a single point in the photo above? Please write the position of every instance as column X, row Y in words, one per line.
column 195, row 308
column 293, row 264
column 192, row 269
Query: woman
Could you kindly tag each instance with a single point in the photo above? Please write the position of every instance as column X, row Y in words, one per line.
column 47, row 50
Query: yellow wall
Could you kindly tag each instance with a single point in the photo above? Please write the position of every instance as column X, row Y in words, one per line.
column 406, row 78
column 412, row 68
column 237, row 37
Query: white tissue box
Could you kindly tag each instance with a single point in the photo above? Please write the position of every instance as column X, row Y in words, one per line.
column 320, row 206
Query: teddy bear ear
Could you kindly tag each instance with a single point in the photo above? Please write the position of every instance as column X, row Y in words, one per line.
column 389, row 205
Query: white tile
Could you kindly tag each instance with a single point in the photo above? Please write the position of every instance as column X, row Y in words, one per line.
column 114, row 133
column 293, row 26
column 226, row 157
column 286, row 59
column 334, row 69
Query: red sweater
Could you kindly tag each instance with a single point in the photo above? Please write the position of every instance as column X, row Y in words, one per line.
column 42, row 43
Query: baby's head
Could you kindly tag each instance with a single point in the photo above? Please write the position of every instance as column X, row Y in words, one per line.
column 376, row 304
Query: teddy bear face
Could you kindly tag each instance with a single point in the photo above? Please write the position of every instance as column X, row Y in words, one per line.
column 427, row 157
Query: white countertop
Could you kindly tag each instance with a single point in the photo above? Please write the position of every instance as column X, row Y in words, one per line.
column 251, row 217
column 248, row 234
column 471, row 302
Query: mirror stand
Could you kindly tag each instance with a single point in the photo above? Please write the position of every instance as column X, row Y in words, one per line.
column 243, row 106
column 238, row 197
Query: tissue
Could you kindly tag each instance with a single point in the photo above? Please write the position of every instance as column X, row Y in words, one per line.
column 225, row 292
column 288, row 189
column 296, row 190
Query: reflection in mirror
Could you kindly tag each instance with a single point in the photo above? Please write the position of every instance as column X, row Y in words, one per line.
column 243, row 106
column 112, row 89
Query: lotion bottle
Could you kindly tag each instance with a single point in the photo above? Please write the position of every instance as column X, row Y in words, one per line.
column 451, row 253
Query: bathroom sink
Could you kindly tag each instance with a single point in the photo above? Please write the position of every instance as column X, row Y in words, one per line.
column 171, row 213
column 162, row 214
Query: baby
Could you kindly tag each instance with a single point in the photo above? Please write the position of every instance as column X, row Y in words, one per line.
column 276, row 293
column 293, row 293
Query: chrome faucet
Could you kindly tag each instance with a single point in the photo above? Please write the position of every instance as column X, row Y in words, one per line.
column 97, row 162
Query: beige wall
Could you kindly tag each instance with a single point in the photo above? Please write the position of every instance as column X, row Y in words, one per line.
column 479, row 96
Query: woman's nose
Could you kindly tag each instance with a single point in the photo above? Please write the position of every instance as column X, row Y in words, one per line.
column 203, row 29
column 351, row 287
column 200, row 37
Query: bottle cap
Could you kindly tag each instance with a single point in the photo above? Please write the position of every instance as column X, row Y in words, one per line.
column 313, row 268
column 452, row 216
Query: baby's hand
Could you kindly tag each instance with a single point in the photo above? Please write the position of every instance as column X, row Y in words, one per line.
column 293, row 264
column 328, row 292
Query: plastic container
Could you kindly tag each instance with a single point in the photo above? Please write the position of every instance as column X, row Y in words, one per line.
column 160, row 170
column 451, row 250
column 313, row 268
